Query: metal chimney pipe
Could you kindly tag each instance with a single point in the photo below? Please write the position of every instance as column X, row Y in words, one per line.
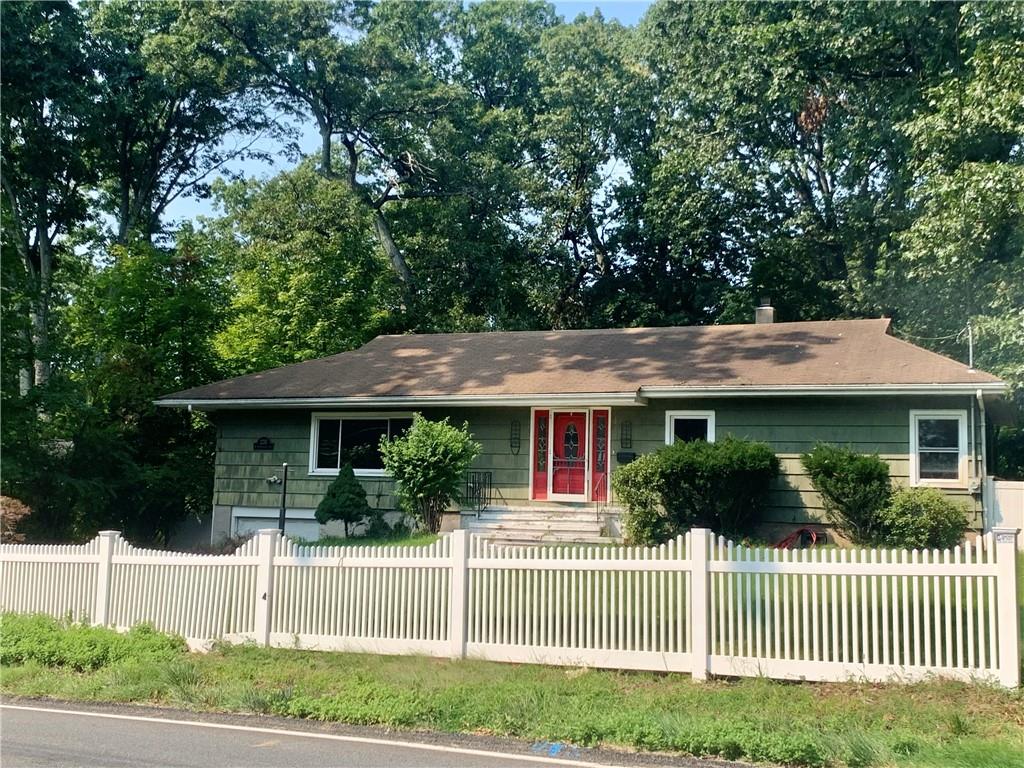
column 764, row 313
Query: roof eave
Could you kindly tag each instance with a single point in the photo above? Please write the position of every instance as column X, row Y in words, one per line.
column 830, row 390
column 638, row 397
column 576, row 399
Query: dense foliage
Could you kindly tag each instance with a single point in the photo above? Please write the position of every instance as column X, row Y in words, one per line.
column 854, row 489
column 429, row 463
column 637, row 487
column 722, row 486
column 52, row 643
column 472, row 167
column 922, row 518
column 344, row 501
column 860, row 500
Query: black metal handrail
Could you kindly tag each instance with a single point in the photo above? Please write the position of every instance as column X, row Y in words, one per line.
column 478, row 490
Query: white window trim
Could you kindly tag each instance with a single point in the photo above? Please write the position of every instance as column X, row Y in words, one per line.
column 314, row 424
column 915, row 468
column 670, row 435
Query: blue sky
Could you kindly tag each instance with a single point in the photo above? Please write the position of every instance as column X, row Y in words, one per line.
column 628, row 12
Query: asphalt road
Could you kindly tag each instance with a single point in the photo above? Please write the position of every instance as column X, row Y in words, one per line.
column 44, row 734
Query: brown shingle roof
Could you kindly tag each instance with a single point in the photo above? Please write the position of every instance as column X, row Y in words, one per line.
column 850, row 353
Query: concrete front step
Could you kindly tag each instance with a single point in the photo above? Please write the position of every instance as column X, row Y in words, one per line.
column 528, row 517
column 553, row 508
column 535, row 525
column 547, row 541
column 541, row 537
column 540, row 525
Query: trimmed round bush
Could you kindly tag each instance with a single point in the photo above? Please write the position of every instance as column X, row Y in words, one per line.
column 637, row 487
column 722, row 486
column 854, row 489
column 920, row 518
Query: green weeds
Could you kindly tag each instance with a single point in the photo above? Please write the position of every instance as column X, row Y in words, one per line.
column 758, row 720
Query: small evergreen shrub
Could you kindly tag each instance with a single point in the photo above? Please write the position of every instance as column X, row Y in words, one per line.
column 429, row 464
column 637, row 487
column 920, row 518
column 722, row 486
column 345, row 500
column 854, row 489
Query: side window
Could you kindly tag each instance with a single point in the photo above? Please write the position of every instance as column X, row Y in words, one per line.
column 938, row 442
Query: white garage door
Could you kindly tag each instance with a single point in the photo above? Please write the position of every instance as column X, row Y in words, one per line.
column 295, row 526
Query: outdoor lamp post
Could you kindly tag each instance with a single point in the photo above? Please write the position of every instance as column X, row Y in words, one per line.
column 283, row 482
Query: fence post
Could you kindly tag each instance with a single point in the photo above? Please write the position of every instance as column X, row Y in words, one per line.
column 699, row 543
column 101, row 607
column 459, row 582
column 266, row 540
column 1006, row 606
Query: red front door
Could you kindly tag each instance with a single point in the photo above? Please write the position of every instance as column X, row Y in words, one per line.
column 568, row 454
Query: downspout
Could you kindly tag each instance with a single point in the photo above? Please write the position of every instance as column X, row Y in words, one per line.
column 984, row 453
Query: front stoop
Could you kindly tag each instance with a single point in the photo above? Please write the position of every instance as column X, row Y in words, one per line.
column 537, row 524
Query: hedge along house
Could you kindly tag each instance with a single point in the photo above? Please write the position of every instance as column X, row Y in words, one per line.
column 557, row 411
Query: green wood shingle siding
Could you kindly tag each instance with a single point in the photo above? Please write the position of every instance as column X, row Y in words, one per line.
column 790, row 425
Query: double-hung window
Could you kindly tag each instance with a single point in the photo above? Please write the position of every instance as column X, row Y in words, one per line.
column 686, row 426
column 339, row 439
column 938, row 448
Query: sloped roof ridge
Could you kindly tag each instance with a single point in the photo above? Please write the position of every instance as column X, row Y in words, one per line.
column 882, row 321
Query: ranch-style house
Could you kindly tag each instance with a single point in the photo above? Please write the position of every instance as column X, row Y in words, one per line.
column 557, row 411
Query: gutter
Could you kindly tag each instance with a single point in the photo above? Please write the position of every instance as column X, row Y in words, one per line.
column 638, row 398
column 571, row 399
column 801, row 390
column 984, row 456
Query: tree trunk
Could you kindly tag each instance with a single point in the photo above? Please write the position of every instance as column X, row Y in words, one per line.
column 40, row 313
column 380, row 224
column 600, row 250
column 326, row 166
column 398, row 263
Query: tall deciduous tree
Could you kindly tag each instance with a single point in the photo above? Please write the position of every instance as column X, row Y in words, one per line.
column 779, row 159
column 140, row 327
column 305, row 277
column 46, row 153
column 962, row 257
column 360, row 73
column 165, row 121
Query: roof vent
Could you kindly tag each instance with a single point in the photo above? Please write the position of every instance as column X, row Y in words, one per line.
column 764, row 313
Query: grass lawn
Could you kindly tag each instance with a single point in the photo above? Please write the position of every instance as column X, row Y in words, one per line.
column 413, row 540
column 927, row 724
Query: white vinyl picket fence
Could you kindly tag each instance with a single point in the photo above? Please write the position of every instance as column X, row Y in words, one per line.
column 698, row 604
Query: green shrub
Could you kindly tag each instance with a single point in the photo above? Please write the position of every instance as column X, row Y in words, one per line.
column 920, row 518
column 722, row 486
column 637, row 487
column 52, row 643
column 854, row 489
column 377, row 527
column 429, row 464
column 345, row 500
